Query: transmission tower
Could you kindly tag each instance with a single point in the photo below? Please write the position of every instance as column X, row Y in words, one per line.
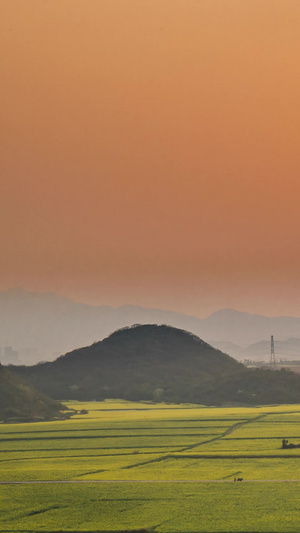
column 272, row 359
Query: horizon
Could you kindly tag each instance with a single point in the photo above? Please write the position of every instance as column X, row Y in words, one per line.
column 18, row 289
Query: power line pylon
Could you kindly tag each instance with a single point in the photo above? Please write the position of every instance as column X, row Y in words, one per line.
column 272, row 359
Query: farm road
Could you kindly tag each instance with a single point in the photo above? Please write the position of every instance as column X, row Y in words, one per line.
column 228, row 431
column 76, row 482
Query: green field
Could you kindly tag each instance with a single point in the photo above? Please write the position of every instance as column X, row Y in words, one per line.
column 129, row 466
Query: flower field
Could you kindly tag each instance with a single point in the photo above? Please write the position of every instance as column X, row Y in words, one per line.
column 126, row 467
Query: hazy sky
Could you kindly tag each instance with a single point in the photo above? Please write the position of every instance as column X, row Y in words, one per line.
column 150, row 152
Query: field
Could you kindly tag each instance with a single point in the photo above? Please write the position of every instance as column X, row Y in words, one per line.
column 126, row 466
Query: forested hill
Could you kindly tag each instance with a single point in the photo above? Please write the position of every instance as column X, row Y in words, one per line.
column 150, row 362
column 19, row 400
column 141, row 362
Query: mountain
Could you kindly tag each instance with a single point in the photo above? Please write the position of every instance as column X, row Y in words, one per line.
column 286, row 350
column 152, row 362
column 19, row 400
column 244, row 328
column 42, row 326
column 141, row 362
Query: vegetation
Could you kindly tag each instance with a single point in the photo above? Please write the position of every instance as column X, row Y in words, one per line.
column 20, row 401
column 159, row 507
column 159, row 363
column 185, row 456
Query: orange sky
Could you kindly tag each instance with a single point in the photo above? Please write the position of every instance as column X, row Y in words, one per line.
column 150, row 152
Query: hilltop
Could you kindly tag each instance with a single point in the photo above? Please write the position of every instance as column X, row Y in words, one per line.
column 19, row 400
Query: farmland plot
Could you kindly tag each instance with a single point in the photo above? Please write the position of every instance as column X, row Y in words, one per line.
column 170, row 468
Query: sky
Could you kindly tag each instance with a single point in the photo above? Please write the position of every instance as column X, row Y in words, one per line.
column 149, row 152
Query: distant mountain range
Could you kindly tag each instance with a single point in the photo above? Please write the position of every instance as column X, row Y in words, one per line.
column 42, row 326
column 285, row 350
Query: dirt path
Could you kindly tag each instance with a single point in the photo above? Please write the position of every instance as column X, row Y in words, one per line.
column 77, row 482
column 228, row 431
